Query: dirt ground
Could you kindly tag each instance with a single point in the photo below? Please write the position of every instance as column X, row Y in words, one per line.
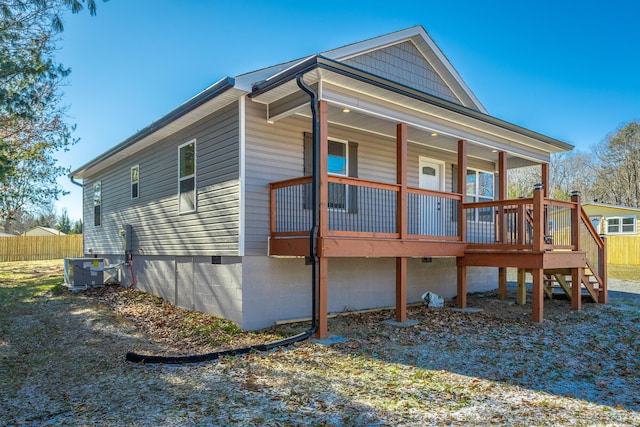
column 62, row 363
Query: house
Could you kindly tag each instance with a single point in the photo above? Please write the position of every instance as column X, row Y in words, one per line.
column 362, row 176
column 43, row 231
column 612, row 220
column 620, row 226
column 2, row 234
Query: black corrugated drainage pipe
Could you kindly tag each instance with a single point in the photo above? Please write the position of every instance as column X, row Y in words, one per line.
column 315, row 271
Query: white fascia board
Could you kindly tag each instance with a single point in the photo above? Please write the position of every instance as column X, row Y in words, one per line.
column 432, row 122
column 384, row 97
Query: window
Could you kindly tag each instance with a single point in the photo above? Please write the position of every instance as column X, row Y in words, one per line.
column 337, row 164
column 621, row 225
column 97, row 203
column 187, row 177
column 479, row 189
column 135, row 180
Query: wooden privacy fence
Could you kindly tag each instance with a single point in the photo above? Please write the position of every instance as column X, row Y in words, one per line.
column 32, row 248
column 623, row 250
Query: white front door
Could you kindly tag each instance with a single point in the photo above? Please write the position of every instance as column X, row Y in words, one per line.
column 431, row 177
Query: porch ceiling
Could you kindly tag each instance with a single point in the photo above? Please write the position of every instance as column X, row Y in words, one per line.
column 364, row 122
column 377, row 109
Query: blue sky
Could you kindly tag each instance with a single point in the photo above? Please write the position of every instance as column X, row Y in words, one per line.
column 565, row 69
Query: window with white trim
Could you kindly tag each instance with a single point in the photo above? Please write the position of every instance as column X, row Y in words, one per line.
column 338, row 164
column 97, row 203
column 621, row 225
column 135, row 181
column 187, row 177
column 479, row 188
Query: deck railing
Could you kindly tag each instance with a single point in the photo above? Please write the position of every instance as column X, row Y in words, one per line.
column 514, row 224
column 594, row 247
column 361, row 208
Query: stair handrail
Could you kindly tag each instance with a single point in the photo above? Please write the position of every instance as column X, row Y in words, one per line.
column 600, row 273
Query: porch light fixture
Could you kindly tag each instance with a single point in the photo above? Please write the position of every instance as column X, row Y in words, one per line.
column 346, row 110
column 434, row 134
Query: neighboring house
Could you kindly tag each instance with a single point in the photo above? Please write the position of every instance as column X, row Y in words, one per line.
column 613, row 220
column 2, row 234
column 620, row 226
column 43, row 231
column 213, row 203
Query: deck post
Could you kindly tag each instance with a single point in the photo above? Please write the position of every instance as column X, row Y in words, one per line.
column 323, row 285
column 272, row 210
column 538, row 295
column 575, row 221
column 538, row 218
column 323, row 307
column 324, row 174
column 401, row 220
column 502, row 283
column 461, row 297
column 576, row 288
column 462, row 188
column 603, row 296
column 521, row 296
column 545, row 178
column 502, row 194
column 401, row 289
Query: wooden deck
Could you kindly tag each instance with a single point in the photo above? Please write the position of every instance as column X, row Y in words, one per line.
column 552, row 240
column 361, row 218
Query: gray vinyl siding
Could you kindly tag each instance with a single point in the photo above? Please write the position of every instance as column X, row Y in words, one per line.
column 275, row 152
column 158, row 227
column 404, row 64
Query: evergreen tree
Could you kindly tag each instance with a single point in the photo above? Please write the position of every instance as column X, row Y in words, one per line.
column 77, row 227
column 64, row 222
column 32, row 121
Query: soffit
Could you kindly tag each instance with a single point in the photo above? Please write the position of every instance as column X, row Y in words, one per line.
column 377, row 109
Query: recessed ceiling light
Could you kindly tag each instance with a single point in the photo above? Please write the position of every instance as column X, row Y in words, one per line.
column 346, row 110
column 434, row 134
column 494, row 151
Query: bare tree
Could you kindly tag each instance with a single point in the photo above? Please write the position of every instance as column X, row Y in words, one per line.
column 569, row 171
column 572, row 171
column 618, row 179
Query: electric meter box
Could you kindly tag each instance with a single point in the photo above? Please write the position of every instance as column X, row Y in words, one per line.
column 83, row 272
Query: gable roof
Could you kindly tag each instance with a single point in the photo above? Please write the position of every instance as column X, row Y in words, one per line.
column 421, row 41
column 443, row 94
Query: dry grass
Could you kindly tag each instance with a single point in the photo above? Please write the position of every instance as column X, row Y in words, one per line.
column 624, row 272
column 62, row 363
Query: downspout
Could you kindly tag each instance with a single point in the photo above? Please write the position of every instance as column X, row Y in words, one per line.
column 73, row 181
column 313, row 252
column 315, row 199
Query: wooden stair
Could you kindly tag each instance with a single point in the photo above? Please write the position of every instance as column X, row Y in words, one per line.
column 561, row 280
